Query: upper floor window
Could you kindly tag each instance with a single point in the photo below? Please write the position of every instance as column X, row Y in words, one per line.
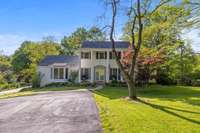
column 85, row 55
column 101, row 55
column 112, row 55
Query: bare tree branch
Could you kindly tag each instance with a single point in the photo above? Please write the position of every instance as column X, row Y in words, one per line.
column 114, row 10
column 139, row 42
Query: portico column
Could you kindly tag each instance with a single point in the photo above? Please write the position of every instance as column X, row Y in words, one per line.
column 92, row 68
column 79, row 70
column 107, row 67
column 121, row 77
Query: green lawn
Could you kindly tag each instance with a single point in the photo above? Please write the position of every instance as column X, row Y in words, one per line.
column 164, row 109
column 17, row 94
column 34, row 91
column 63, row 88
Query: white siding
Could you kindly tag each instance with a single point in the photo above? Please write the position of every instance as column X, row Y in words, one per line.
column 46, row 73
column 91, row 63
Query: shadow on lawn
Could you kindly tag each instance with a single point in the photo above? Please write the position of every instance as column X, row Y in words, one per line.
column 183, row 94
column 170, row 93
column 167, row 110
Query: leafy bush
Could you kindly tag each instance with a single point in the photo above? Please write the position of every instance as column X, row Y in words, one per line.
column 115, row 83
column 73, row 76
column 196, row 82
column 36, row 80
column 9, row 86
column 164, row 79
column 2, row 80
column 85, row 84
column 57, row 84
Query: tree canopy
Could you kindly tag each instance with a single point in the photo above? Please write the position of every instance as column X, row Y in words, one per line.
column 72, row 42
column 27, row 57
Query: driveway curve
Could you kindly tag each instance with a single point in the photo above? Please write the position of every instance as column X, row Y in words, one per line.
column 52, row 112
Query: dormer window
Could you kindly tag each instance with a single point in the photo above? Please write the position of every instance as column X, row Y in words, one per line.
column 85, row 55
column 101, row 55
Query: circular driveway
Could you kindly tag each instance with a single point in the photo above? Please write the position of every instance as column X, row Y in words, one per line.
column 52, row 112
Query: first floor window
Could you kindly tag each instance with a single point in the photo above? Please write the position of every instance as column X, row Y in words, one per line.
column 85, row 73
column 119, row 74
column 115, row 74
column 58, row 73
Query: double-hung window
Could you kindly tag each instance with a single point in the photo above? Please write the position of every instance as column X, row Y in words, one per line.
column 85, row 73
column 115, row 74
column 112, row 55
column 101, row 55
column 85, row 55
column 58, row 73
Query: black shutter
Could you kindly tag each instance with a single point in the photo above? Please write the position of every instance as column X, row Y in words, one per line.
column 97, row 55
column 51, row 73
column 66, row 73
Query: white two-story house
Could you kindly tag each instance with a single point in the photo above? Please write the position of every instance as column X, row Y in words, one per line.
column 95, row 63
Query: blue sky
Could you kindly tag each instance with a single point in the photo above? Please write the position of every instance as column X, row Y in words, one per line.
column 33, row 19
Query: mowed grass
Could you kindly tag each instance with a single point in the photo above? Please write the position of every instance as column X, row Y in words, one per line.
column 163, row 109
column 34, row 91
column 17, row 94
column 63, row 88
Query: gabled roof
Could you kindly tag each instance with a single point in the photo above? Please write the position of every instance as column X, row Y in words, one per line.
column 51, row 59
column 104, row 44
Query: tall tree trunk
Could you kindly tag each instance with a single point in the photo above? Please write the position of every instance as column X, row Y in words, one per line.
column 132, row 90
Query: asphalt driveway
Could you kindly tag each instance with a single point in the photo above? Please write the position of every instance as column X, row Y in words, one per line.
column 53, row 112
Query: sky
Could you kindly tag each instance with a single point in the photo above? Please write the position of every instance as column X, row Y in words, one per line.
column 34, row 19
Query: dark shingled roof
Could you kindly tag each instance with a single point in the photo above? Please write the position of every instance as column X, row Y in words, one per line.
column 104, row 44
column 50, row 59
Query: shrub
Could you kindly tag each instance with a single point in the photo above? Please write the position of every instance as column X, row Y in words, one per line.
column 186, row 81
column 2, row 80
column 196, row 82
column 164, row 79
column 57, row 84
column 115, row 83
column 36, row 80
column 9, row 86
column 85, row 84
column 73, row 76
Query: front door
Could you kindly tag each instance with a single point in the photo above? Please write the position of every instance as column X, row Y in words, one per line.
column 100, row 74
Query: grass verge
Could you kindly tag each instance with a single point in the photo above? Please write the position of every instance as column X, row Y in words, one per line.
column 34, row 91
column 164, row 109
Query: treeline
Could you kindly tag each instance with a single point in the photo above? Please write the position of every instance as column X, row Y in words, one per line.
column 165, row 57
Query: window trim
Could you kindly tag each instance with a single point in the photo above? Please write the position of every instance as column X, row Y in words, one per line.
column 99, row 55
column 112, row 55
column 83, row 55
column 83, row 71
column 118, row 73
column 58, row 77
